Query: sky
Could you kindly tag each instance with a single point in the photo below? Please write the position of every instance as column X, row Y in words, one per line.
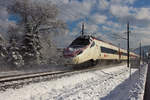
column 105, row 19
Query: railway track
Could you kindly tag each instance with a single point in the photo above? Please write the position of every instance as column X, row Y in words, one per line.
column 16, row 81
column 26, row 76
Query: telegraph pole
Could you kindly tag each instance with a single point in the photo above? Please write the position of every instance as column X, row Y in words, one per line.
column 128, row 44
column 143, row 56
column 140, row 58
column 140, row 51
column 82, row 29
column 128, row 48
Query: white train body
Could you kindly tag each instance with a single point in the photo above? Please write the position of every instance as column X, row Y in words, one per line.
column 86, row 48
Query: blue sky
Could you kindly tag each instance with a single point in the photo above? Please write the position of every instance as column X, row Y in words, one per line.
column 108, row 17
column 105, row 19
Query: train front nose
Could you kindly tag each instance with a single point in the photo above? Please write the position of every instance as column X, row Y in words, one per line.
column 71, row 55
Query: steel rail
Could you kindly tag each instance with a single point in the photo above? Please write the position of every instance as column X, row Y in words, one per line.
column 16, row 77
column 31, row 75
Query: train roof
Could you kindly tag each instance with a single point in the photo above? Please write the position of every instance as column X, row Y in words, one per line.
column 90, row 36
column 104, row 41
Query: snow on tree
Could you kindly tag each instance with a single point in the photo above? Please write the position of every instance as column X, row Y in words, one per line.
column 31, row 48
column 36, row 18
column 3, row 50
column 14, row 57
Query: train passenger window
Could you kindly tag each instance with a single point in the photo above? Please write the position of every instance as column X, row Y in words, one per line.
column 124, row 54
column 108, row 50
column 93, row 44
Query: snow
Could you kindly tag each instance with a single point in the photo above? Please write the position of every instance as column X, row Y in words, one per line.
column 34, row 69
column 106, row 84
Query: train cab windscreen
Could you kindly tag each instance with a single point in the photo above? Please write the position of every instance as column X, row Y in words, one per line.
column 80, row 42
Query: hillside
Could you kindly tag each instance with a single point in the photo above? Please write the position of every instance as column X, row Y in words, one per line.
column 145, row 49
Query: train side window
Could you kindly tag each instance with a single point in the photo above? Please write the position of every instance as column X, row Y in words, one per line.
column 108, row 50
column 93, row 44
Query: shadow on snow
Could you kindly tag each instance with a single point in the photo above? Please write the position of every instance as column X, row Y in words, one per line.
column 126, row 90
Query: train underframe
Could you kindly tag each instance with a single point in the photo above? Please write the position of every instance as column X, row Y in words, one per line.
column 100, row 62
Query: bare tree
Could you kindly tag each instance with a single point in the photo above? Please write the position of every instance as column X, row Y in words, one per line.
column 35, row 17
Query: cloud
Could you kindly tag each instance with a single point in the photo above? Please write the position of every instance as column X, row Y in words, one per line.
column 74, row 9
column 3, row 12
column 4, row 22
column 91, row 28
column 100, row 16
column 103, row 4
column 136, row 16
column 99, row 19
column 143, row 13
column 105, row 28
column 122, row 1
column 120, row 11
column 63, row 40
column 113, row 24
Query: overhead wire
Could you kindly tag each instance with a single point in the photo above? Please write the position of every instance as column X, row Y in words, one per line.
column 71, row 14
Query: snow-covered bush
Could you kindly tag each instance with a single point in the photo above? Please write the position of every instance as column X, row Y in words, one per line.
column 30, row 48
column 14, row 58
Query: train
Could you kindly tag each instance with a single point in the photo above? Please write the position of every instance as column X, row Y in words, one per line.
column 87, row 48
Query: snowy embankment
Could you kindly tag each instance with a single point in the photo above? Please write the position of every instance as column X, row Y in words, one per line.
column 107, row 84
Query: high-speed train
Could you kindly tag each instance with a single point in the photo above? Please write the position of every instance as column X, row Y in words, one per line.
column 88, row 48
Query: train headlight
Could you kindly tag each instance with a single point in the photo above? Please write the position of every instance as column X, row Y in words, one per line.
column 71, row 49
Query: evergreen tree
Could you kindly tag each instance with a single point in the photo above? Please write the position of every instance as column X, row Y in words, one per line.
column 3, row 53
column 36, row 17
column 3, row 50
column 31, row 47
column 14, row 57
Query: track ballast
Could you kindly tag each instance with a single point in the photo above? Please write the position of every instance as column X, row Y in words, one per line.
column 17, row 81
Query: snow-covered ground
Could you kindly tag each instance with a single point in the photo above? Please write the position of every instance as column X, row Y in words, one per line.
column 106, row 84
column 34, row 69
